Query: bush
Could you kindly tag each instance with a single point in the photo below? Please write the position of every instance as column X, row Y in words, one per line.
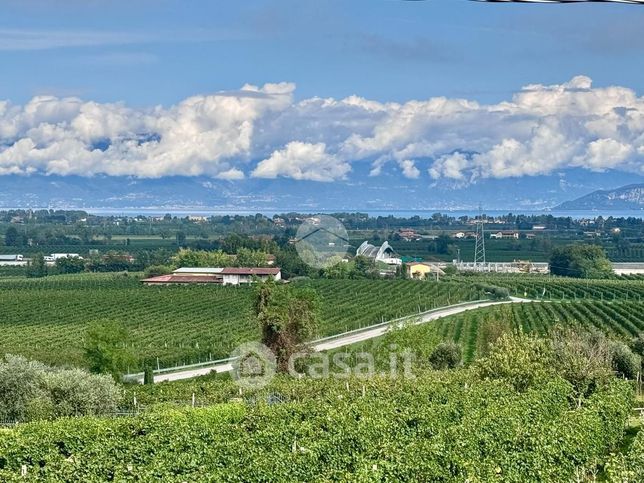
column 447, row 355
column 637, row 345
column 496, row 293
column 517, row 358
column 30, row 391
column 624, row 362
column 582, row 358
column 106, row 348
column 157, row 271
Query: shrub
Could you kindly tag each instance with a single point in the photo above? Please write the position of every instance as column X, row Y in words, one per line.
column 582, row 358
column 520, row 359
column 30, row 391
column 157, row 270
column 106, row 348
column 447, row 355
column 496, row 293
column 624, row 362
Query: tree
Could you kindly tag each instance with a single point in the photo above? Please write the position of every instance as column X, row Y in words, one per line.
column 625, row 363
column 37, row 267
column 181, row 238
column 521, row 360
column 364, row 267
column 442, row 243
column 582, row 358
column 30, row 390
column 338, row 270
column 70, row 265
column 11, row 237
column 157, row 270
column 250, row 258
column 202, row 258
column 287, row 318
column 106, row 348
column 580, row 261
column 446, row 355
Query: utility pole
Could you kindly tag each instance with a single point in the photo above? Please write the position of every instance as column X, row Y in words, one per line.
column 479, row 248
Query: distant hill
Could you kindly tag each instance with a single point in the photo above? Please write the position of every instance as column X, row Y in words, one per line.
column 629, row 197
column 389, row 192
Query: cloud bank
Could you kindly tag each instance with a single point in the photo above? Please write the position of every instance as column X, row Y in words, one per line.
column 263, row 132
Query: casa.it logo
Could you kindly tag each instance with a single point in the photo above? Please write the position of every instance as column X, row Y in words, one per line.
column 254, row 365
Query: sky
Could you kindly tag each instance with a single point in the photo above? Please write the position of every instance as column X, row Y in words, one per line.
column 306, row 88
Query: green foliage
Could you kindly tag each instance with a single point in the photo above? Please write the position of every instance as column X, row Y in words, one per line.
column 637, row 345
column 580, row 261
column 186, row 324
column 157, row 270
column 246, row 257
column 520, row 359
column 30, row 390
column 106, row 348
column 70, row 265
column 37, row 267
column 288, row 318
column 624, row 362
column 148, row 375
column 444, row 428
column 583, row 358
column 339, row 270
column 450, row 270
column 364, row 267
column 446, row 355
column 11, row 237
column 627, row 467
column 496, row 293
column 202, row 258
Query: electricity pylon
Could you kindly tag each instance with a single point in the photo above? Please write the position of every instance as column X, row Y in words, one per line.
column 479, row 248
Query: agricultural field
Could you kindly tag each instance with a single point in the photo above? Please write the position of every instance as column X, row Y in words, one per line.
column 46, row 319
column 475, row 330
column 559, row 288
column 436, row 427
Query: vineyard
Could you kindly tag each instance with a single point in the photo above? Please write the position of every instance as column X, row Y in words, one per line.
column 45, row 319
column 558, row 288
column 437, row 427
column 473, row 331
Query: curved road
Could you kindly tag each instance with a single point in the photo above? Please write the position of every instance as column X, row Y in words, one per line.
column 336, row 341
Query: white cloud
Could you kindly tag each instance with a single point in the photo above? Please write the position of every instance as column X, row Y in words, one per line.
column 540, row 130
column 409, row 169
column 303, row 161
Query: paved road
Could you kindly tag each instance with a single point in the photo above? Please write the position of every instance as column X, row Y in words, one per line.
column 340, row 340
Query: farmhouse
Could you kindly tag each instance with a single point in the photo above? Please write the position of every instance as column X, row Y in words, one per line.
column 422, row 270
column 409, row 234
column 502, row 235
column 222, row 276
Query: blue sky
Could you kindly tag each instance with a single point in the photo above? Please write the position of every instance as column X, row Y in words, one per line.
column 149, row 52
column 305, row 89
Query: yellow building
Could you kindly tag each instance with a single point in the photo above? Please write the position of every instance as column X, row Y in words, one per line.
column 422, row 270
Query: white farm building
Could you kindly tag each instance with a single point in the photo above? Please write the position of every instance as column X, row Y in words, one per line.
column 385, row 253
column 222, row 276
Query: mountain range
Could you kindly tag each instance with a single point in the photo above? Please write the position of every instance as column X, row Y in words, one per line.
column 389, row 191
column 629, row 197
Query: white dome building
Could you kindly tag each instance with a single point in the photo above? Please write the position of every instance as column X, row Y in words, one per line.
column 384, row 253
